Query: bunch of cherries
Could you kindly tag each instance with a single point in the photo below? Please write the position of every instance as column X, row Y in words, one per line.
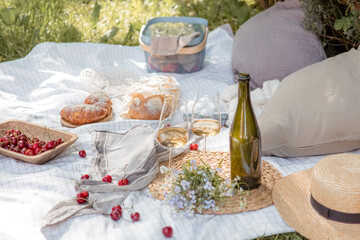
column 15, row 140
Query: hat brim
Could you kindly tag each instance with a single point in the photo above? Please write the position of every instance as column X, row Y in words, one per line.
column 291, row 197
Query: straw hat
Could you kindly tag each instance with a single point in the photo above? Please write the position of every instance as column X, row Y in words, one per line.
column 333, row 188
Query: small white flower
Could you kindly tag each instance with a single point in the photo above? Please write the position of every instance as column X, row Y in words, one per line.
column 193, row 162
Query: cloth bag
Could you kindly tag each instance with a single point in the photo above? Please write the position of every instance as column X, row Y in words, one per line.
column 112, row 152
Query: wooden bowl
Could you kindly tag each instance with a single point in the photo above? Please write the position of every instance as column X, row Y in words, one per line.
column 43, row 133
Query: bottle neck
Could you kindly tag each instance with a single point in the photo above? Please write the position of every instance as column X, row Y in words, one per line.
column 244, row 91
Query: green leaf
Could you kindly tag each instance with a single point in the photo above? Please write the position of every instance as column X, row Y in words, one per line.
column 343, row 23
column 109, row 34
column 8, row 15
column 95, row 14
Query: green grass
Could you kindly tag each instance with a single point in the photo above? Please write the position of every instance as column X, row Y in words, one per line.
column 25, row 23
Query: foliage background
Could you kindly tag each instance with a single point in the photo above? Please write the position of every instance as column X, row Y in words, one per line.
column 25, row 23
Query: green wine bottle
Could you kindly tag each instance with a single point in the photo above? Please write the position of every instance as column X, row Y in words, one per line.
column 245, row 140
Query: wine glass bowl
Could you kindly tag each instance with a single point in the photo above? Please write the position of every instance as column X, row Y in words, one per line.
column 206, row 116
column 173, row 131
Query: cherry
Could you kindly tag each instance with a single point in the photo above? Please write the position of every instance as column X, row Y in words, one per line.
column 84, row 194
column 13, row 141
column 123, row 182
column 167, row 231
column 135, row 216
column 17, row 132
column 194, row 147
column 35, row 146
column 39, row 150
column 116, row 208
column 85, row 176
column 29, row 152
column 80, row 199
column 59, row 141
column 22, row 144
column 22, row 137
column 82, row 153
column 50, row 145
column 107, row 178
column 115, row 215
column 23, row 150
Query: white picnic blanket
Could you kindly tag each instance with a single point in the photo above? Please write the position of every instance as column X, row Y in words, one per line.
column 35, row 89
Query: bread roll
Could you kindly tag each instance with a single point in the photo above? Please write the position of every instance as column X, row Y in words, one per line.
column 83, row 113
column 99, row 99
column 150, row 107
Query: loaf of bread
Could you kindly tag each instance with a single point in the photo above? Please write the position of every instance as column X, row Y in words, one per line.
column 149, row 107
column 83, row 113
column 99, row 99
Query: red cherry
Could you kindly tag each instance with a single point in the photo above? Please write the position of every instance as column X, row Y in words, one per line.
column 22, row 137
column 167, row 231
column 84, row 194
column 22, row 144
column 29, row 152
column 50, row 145
column 82, row 153
column 116, row 208
column 135, row 216
column 194, row 147
column 123, row 182
column 80, row 199
column 85, row 176
column 59, row 141
column 39, row 150
column 35, row 146
column 13, row 141
column 115, row 215
column 107, row 178
column 17, row 132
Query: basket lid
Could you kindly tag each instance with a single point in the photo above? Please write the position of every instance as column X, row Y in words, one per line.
column 174, row 26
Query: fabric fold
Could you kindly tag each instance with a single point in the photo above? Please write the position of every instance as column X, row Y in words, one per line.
column 170, row 45
column 134, row 155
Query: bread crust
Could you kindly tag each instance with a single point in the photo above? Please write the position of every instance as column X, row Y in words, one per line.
column 99, row 99
column 149, row 107
column 83, row 113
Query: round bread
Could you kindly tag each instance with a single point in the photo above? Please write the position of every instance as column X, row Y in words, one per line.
column 99, row 99
column 83, row 113
column 148, row 108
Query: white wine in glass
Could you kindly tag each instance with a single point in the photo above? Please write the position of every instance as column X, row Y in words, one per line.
column 206, row 117
column 173, row 131
column 172, row 137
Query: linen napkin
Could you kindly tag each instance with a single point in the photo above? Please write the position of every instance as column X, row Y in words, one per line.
column 171, row 45
column 136, row 150
column 259, row 98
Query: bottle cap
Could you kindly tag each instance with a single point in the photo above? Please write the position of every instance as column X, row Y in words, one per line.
column 243, row 77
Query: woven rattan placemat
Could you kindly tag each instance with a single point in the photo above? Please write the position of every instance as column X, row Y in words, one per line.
column 258, row 198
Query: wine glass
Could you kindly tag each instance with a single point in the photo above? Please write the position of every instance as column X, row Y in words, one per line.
column 206, row 116
column 173, row 130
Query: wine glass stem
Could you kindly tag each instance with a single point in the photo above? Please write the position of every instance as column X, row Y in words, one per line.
column 204, row 151
column 170, row 151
